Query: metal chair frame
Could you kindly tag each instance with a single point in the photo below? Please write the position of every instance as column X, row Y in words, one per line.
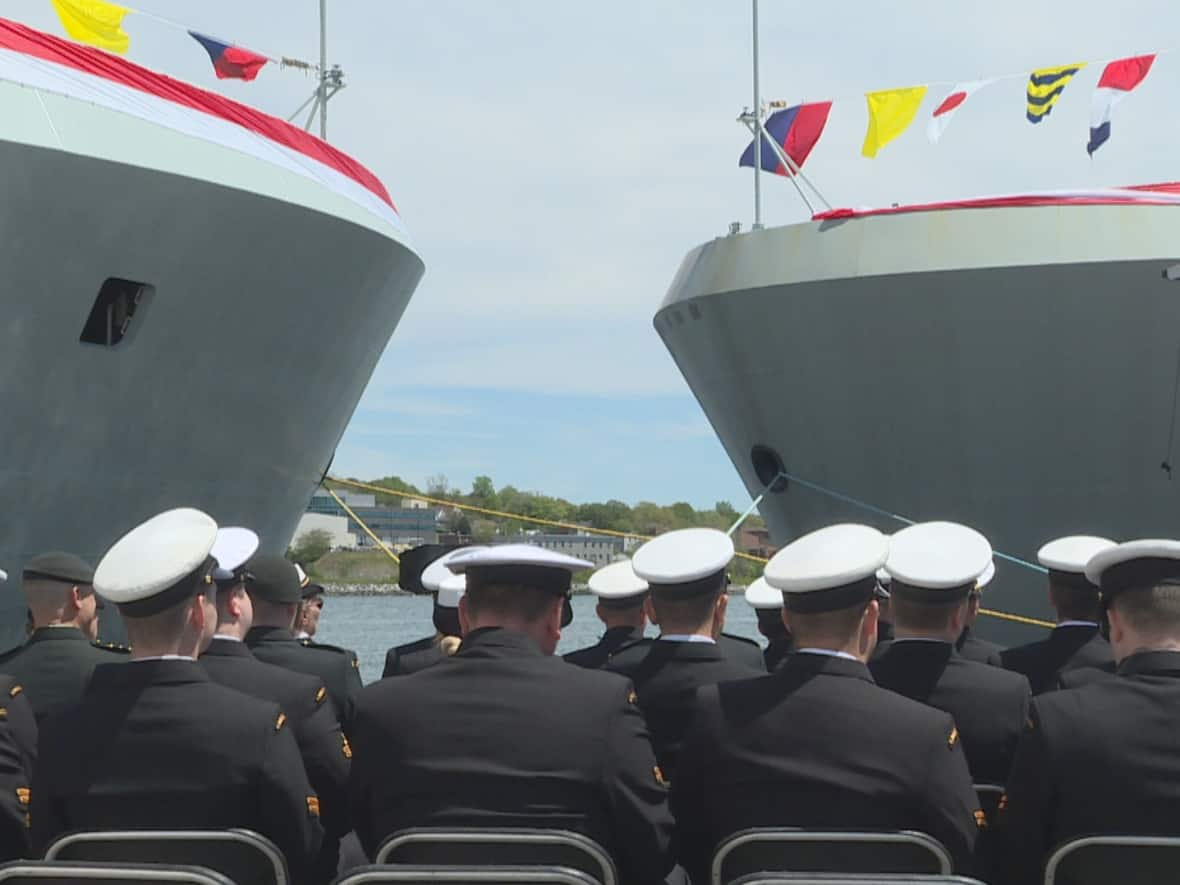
column 853, row 879
column 73, row 871
column 1064, row 850
column 254, row 840
column 784, row 835
column 506, row 835
column 378, row 875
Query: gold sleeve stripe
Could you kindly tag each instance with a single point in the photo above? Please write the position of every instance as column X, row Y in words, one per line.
column 281, row 721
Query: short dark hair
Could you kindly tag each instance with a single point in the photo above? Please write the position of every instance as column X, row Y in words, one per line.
column 161, row 627
column 1073, row 603
column 925, row 615
column 527, row 603
column 1150, row 610
column 840, row 623
column 694, row 609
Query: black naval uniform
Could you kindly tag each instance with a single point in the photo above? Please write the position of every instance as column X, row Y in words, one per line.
column 401, row 660
column 817, row 744
column 776, row 652
column 157, row 743
column 973, row 648
column 666, row 675
column 1098, row 759
column 596, row 656
column 1067, row 647
column 54, row 666
column 989, row 705
column 742, row 650
column 337, row 667
column 312, row 721
column 503, row 735
column 18, row 758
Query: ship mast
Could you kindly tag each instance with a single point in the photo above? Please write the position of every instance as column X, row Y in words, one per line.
column 757, row 130
column 330, row 82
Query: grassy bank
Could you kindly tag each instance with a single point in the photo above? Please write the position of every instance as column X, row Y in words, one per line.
column 354, row 567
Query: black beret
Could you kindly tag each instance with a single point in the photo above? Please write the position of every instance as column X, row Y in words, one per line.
column 311, row 589
column 272, row 579
column 59, row 566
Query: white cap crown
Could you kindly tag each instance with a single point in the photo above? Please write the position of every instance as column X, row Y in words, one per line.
column 683, row 556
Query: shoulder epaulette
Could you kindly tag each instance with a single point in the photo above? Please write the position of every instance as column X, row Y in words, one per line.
column 323, row 646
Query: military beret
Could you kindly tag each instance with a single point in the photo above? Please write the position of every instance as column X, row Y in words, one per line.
column 272, row 579
column 59, row 566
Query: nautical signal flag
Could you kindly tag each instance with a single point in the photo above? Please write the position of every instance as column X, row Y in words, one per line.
column 891, row 111
column 231, row 61
column 95, row 22
column 1118, row 78
column 1045, row 86
column 795, row 130
column 941, row 118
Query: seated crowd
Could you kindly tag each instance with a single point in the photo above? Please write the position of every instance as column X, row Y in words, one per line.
column 873, row 707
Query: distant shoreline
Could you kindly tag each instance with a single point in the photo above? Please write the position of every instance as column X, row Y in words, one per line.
column 362, row 588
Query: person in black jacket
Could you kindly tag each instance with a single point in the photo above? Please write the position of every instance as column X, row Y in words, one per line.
column 686, row 573
column 934, row 568
column 1102, row 759
column 768, row 607
column 1076, row 641
column 817, row 743
column 425, row 567
column 18, row 759
column 505, row 734
column 969, row 645
column 55, row 663
column 155, row 743
column 621, row 596
column 303, row 698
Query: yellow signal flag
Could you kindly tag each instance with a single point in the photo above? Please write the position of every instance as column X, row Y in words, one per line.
column 94, row 22
column 891, row 111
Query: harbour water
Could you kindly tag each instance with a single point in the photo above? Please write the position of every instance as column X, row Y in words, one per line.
column 371, row 624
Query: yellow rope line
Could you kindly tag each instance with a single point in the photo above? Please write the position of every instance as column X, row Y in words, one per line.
column 361, row 523
column 1004, row 616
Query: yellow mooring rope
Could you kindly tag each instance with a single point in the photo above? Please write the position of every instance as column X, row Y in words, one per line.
column 366, row 529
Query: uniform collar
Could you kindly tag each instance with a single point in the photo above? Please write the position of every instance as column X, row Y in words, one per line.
column 154, row 671
column 64, row 631
column 1159, row 663
column 269, row 634
column 227, row 646
column 810, row 664
column 678, row 649
column 686, row 637
column 826, row 652
column 498, row 642
column 1089, row 625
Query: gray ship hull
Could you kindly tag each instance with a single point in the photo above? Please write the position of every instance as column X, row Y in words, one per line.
column 1014, row 369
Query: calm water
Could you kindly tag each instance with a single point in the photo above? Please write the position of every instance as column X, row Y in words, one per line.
column 372, row 624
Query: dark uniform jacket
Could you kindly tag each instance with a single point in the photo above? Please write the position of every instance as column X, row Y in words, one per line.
column 595, row 656
column 989, row 705
column 742, row 650
column 973, row 648
column 401, row 660
column 157, row 743
column 503, row 735
column 776, row 652
column 1098, row 759
column 312, row 721
column 666, row 675
column 18, row 757
column 817, row 744
column 1065, row 648
column 54, row 666
column 337, row 667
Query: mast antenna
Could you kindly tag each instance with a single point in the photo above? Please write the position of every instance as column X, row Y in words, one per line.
column 757, row 130
column 331, row 81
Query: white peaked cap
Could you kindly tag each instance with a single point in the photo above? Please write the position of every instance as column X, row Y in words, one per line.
column 683, row 556
column 1158, row 549
column 436, row 572
column 883, row 577
column 827, row 558
column 304, row 580
column 232, row 547
column 155, row 556
column 986, row 578
column 1071, row 553
column 514, row 554
column 617, row 581
column 938, row 555
column 451, row 590
column 762, row 596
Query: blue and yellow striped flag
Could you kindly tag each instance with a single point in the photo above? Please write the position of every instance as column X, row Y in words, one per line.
column 1045, row 87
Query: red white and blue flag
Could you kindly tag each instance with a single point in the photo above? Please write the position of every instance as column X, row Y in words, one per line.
column 941, row 118
column 229, row 61
column 796, row 130
column 1118, row 78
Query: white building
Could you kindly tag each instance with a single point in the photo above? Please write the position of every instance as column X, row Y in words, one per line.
column 335, row 526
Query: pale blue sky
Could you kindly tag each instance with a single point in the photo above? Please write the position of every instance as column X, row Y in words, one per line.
column 555, row 160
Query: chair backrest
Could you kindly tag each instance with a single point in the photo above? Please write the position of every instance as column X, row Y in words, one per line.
column 989, row 799
column 503, row 846
column 240, row 855
column 852, row 879
column 791, row 850
column 468, row 875
column 49, row 871
column 1127, row 860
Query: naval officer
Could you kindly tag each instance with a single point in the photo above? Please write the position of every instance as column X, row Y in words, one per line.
column 154, row 742
column 969, row 645
column 303, row 698
column 935, row 567
column 506, row 734
column 768, row 608
column 422, row 653
column 1102, row 758
column 55, row 663
column 275, row 605
column 825, row 746
column 311, row 606
column 686, row 573
column 1076, row 641
column 621, row 594
column 18, row 758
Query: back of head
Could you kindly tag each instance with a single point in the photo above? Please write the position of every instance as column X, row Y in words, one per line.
column 678, row 611
column 1140, row 585
column 1073, row 596
column 686, row 572
column 48, row 582
column 275, row 594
